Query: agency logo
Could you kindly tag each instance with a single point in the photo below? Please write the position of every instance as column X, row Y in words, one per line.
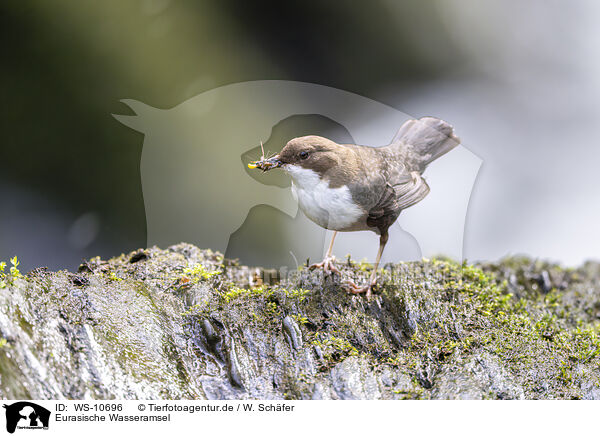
column 26, row 415
column 197, row 186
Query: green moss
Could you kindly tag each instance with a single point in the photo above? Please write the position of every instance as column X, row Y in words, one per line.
column 297, row 294
column 300, row 319
column 2, row 275
column 7, row 279
column 233, row 292
column 584, row 344
column 199, row 272
column 112, row 276
column 334, row 348
column 564, row 372
column 14, row 270
column 363, row 265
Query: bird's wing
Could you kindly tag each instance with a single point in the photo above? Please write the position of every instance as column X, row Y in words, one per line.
column 395, row 199
column 411, row 192
column 386, row 211
column 403, row 189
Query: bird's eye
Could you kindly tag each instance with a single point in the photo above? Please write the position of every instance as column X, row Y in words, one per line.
column 303, row 154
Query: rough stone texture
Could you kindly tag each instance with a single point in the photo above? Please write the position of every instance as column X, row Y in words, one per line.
column 184, row 323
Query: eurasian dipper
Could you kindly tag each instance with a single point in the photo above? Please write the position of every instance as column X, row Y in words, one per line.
column 348, row 187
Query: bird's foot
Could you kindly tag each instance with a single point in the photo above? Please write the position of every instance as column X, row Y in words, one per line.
column 353, row 288
column 328, row 265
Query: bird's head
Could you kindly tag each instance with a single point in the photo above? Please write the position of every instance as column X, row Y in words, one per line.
column 306, row 152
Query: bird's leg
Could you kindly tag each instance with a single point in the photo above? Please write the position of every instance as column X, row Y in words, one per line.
column 353, row 288
column 328, row 262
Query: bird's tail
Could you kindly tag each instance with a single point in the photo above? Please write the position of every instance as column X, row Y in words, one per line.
column 426, row 138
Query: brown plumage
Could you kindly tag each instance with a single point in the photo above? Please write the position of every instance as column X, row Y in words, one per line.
column 348, row 187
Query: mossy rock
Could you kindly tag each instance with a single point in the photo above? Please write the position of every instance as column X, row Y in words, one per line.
column 186, row 323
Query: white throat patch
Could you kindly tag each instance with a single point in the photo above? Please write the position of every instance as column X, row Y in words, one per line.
column 331, row 208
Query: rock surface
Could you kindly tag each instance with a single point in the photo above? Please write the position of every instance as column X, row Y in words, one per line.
column 184, row 323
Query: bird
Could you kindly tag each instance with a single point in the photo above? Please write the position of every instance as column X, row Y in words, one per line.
column 349, row 187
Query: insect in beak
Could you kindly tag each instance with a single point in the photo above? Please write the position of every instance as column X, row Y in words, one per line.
column 266, row 164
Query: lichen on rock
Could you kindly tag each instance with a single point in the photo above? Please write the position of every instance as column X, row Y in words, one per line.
column 185, row 323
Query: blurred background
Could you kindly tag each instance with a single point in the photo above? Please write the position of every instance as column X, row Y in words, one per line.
column 520, row 81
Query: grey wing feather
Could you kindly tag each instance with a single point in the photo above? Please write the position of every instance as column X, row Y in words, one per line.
column 412, row 192
column 394, row 200
column 386, row 211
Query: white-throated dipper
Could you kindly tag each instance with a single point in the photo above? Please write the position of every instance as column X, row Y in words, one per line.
column 348, row 187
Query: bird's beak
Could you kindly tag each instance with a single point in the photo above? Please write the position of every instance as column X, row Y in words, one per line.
column 266, row 164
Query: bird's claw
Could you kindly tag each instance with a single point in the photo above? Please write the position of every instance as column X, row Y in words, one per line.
column 328, row 265
column 355, row 289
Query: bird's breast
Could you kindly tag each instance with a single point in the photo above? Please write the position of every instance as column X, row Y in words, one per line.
column 331, row 208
